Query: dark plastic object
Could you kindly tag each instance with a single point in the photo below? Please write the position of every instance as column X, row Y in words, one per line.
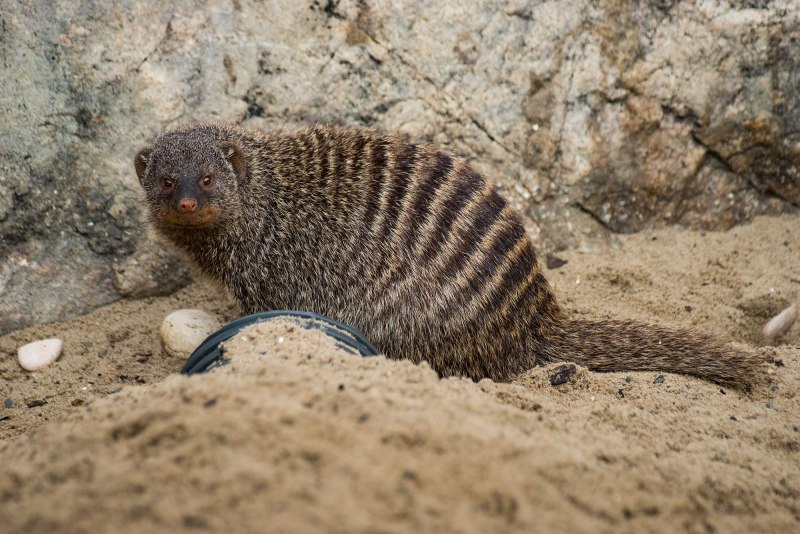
column 209, row 354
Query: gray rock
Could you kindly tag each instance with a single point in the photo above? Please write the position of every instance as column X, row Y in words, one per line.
column 562, row 374
column 42, row 281
column 151, row 270
column 593, row 118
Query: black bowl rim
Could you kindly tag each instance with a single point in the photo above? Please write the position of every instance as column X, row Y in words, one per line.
column 209, row 350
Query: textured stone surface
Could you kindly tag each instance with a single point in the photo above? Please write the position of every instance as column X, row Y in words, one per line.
column 593, row 117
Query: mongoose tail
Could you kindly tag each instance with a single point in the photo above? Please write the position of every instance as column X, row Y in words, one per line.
column 617, row 345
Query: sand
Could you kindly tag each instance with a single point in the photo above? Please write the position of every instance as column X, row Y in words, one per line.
column 297, row 436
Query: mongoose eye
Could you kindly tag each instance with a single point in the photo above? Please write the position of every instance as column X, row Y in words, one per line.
column 167, row 183
column 207, row 180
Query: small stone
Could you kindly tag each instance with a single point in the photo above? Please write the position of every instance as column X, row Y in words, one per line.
column 35, row 403
column 659, row 379
column 9, row 403
column 554, row 262
column 562, row 374
column 733, row 418
column 39, row 354
column 780, row 323
column 195, row 522
column 408, row 474
column 77, row 402
column 182, row 331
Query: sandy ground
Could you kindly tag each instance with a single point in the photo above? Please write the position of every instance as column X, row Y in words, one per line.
column 298, row 436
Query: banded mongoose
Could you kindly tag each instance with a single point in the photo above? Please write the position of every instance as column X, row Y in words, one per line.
column 402, row 240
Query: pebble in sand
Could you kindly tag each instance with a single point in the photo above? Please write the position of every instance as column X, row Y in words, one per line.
column 183, row 330
column 39, row 354
column 781, row 323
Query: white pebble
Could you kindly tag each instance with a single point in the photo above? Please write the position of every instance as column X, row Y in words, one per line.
column 781, row 322
column 39, row 354
column 182, row 331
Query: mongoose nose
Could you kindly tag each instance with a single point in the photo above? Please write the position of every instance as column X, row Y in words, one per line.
column 187, row 205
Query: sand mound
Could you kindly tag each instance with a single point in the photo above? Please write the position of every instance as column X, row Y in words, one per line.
column 296, row 435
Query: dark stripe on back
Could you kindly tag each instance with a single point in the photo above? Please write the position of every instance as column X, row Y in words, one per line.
column 357, row 157
column 526, row 301
column 431, row 179
column 501, row 247
column 399, row 184
column 356, row 183
column 305, row 150
column 432, row 174
column 459, row 195
column 322, row 157
column 483, row 218
column 339, row 191
column 352, row 205
column 517, row 273
column 318, row 171
column 546, row 304
column 377, row 168
column 338, row 171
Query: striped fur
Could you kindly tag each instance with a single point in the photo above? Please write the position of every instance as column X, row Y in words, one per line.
column 405, row 242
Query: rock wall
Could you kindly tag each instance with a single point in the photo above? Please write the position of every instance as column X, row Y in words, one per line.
column 592, row 117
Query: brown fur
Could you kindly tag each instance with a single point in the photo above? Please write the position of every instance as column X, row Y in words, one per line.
column 405, row 242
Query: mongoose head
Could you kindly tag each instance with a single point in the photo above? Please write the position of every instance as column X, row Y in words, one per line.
column 190, row 178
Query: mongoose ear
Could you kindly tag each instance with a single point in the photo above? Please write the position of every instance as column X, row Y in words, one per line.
column 235, row 157
column 140, row 162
